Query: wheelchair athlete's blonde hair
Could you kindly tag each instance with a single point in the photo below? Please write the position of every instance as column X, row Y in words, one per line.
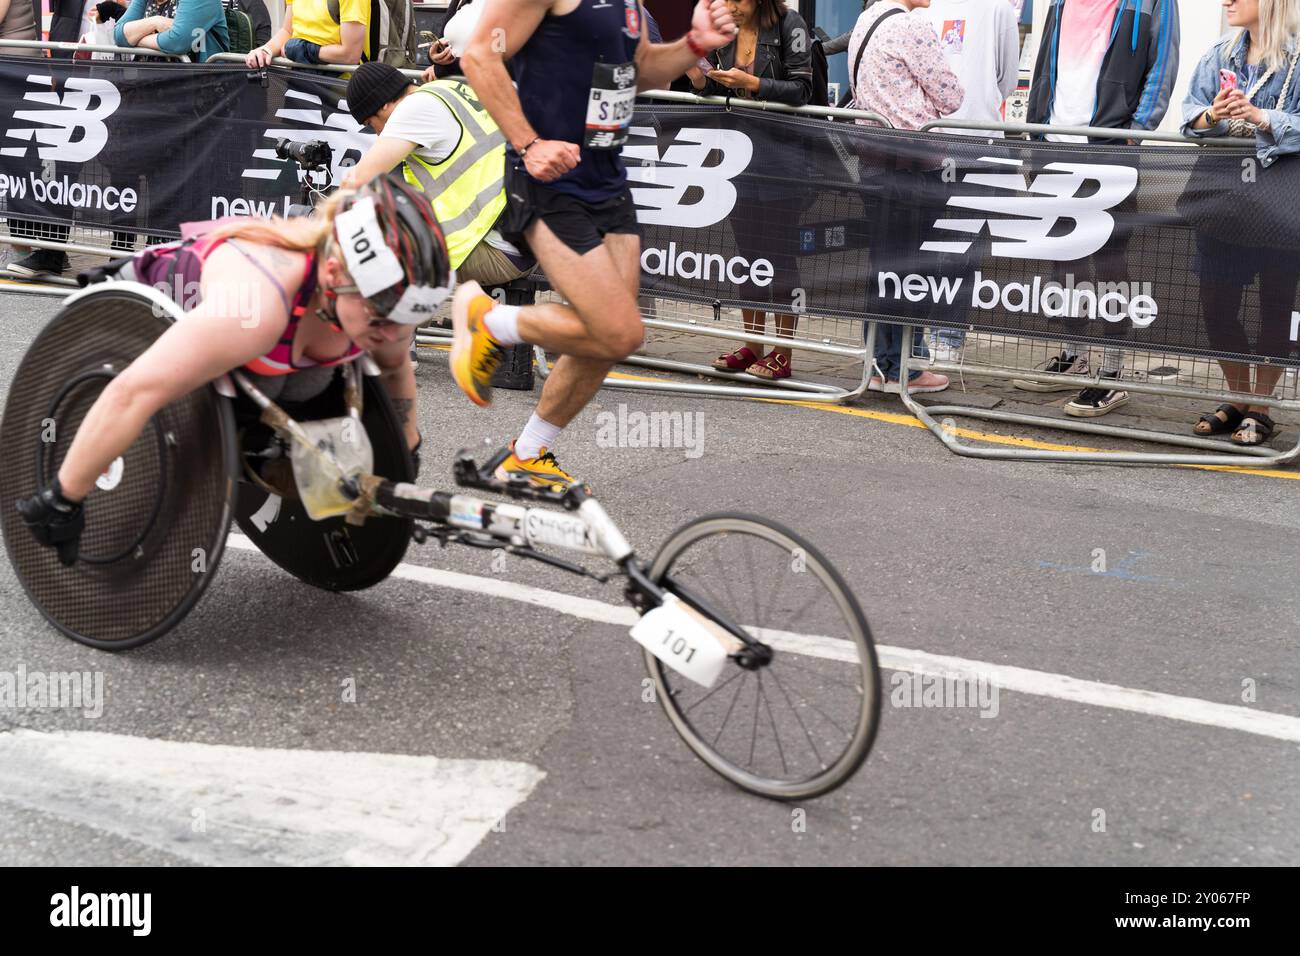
column 300, row 234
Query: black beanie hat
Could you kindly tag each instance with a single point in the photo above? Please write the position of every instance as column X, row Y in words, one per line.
column 373, row 85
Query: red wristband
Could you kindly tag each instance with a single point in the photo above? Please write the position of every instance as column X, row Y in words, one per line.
column 695, row 48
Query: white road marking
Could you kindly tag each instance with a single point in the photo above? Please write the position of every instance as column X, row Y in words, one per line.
column 244, row 806
column 1039, row 683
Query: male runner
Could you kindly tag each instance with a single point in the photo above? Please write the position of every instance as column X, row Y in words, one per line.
column 578, row 65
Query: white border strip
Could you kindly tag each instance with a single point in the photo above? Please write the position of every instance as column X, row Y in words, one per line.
column 1039, row 683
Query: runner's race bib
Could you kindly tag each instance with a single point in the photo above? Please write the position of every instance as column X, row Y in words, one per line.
column 609, row 111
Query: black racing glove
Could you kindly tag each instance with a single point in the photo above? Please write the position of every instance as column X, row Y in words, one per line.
column 54, row 521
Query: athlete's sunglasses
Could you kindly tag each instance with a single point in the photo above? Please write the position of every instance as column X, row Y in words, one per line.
column 375, row 321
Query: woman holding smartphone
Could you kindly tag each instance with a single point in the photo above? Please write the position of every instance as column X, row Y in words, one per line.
column 1248, row 85
column 770, row 59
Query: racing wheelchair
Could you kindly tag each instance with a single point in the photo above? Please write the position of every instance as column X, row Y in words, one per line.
column 758, row 651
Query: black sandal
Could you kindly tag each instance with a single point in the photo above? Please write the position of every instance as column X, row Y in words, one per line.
column 1221, row 426
column 1257, row 428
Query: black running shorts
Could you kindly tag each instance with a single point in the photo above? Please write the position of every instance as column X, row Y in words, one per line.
column 581, row 226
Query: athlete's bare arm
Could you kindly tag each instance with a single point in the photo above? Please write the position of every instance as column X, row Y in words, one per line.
column 241, row 317
column 658, row 64
column 503, row 28
column 398, row 378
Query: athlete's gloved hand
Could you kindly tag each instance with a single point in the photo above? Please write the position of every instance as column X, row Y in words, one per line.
column 712, row 25
column 549, row 159
column 54, row 521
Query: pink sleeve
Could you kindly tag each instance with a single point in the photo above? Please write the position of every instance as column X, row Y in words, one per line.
column 939, row 84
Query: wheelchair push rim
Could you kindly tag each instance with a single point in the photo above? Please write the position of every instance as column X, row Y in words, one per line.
column 157, row 519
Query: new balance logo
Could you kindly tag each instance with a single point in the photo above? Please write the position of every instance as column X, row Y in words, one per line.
column 74, row 130
column 1073, row 195
column 347, row 138
column 677, row 188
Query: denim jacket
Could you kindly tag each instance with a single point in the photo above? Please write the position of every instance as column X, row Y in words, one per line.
column 1283, row 136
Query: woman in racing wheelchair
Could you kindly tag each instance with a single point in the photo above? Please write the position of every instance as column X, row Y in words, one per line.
column 286, row 300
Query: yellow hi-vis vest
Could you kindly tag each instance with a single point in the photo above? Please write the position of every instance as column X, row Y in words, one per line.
column 467, row 189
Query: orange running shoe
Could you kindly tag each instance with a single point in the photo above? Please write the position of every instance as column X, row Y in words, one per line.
column 542, row 472
column 475, row 354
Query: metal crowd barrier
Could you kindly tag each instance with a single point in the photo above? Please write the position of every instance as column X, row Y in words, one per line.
column 89, row 240
column 87, row 48
column 844, row 338
column 1007, row 358
column 826, row 335
column 83, row 239
column 1146, row 372
column 294, row 65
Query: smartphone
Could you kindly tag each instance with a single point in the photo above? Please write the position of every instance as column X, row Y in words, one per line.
column 1227, row 81
column 704, row 66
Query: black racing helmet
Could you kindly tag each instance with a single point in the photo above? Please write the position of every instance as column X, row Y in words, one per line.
column 394, row 249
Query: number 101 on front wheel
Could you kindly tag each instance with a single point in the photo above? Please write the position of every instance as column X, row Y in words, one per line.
column 685, row 640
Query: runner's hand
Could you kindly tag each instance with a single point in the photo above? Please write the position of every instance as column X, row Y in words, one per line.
column 549, row 159
column 712, row 25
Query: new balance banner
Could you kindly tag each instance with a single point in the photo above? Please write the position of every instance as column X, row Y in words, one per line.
column 1191, row 249
column 1188, row 249
column 143, row 147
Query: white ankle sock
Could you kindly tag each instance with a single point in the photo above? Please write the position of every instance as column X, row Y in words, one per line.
column 502, row 322
column 537, row 434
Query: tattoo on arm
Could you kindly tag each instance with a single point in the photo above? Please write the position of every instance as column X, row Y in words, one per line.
column 403, row 408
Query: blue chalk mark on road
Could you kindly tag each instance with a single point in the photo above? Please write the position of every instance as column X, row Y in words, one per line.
column 1122, row 569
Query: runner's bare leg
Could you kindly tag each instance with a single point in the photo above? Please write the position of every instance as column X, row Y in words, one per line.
column 602, row 285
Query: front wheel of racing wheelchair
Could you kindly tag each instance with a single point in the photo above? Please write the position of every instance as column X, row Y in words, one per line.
column 158, row 518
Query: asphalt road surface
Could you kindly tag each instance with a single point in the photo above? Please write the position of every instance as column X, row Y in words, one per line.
column 1143, row 621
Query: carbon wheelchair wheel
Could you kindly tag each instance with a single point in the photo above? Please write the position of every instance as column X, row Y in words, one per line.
column 331, row 554
column 157, row 519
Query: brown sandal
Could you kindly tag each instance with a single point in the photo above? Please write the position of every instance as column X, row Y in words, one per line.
column 772, row 367
column 736, row 361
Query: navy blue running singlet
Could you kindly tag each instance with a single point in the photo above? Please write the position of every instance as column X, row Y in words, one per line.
column 555, row 72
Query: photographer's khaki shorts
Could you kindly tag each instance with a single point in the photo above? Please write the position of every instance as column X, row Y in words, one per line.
column 488, row 267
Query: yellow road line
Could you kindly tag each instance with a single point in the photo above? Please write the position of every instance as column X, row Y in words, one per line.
column 896, row 418
column 32, row 285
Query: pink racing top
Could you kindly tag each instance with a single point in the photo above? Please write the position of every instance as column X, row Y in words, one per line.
column 178, row 264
